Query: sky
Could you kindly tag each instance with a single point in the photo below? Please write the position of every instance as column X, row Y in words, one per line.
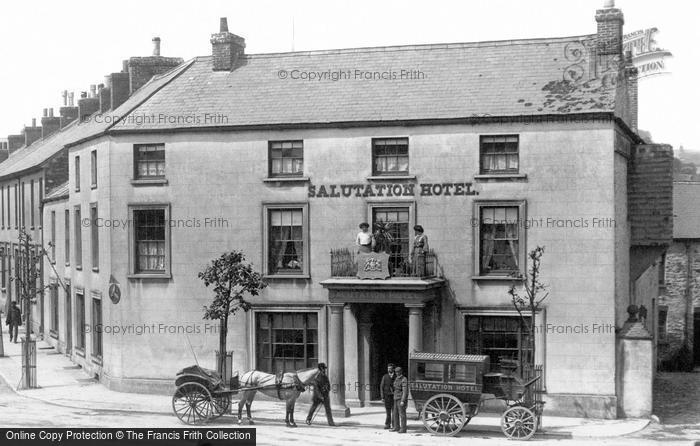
column 50, row 46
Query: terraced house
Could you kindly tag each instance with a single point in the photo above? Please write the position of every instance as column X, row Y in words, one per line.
column 496, row 148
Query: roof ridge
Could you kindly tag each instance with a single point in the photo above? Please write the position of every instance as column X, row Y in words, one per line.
column 413, row 47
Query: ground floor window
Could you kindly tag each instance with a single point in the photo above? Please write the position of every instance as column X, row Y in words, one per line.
column 53, row 309
column 96, row 328
column 499, row 337
column 80, row 316
column 286, row 341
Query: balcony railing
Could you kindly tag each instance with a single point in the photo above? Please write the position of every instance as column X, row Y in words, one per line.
column 422, row 266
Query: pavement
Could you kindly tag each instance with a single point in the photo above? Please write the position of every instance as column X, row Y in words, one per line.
column 62, row 383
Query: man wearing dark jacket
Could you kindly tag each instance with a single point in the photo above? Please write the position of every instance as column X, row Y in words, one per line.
column 386, row 390
column 322, row 387
column 400, row 401
column 14, row 320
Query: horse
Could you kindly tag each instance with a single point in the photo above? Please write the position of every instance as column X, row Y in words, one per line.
column 287, row 387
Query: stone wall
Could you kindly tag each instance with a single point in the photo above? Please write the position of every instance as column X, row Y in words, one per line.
column 673, row 296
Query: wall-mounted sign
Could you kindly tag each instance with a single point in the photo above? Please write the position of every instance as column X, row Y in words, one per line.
column 373, row 265
column 390, row 190
column 115, row 292
column 646, row 55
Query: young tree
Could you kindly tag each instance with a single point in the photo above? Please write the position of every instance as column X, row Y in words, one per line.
column 231, row 279
column 535, row 292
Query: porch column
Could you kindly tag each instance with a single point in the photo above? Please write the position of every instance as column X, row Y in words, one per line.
column 365, row 336
column 352, row 376
column 415, row 327
column 336, row 363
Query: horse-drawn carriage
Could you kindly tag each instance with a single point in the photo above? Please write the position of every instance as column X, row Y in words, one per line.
column 202, row 395
column 449, row 389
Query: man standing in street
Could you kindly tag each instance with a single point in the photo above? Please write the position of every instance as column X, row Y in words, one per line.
column 400, row 401
column 386, row 390
column 14, row 320
column 322, row 387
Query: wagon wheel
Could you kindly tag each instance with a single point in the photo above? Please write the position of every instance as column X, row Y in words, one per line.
column 518, row 423
column 220, row 404
column 192, row 403
column 444, row 414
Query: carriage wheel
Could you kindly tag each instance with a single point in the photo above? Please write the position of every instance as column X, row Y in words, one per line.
column 192, row 403
column 518, row 423
column 220, row 405
column 444, row 414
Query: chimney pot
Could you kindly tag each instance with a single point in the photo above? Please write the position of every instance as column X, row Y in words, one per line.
column 65, row 97
column 46, row 112
column 51, row 112
column 156, row 46
column 33, row 122
column 223, row 25
column 93, row 91
column 71, row 99
column 83, row 94
column 609, row 4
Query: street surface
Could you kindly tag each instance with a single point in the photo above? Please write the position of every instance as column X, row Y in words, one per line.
column 19, row 411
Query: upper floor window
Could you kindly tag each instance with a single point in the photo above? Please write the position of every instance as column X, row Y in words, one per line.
column 501, row 247
column 499, row 154
column 53, row 236
column 77, row 174
column 662, row 270
column 286, row 158
column 93, row 168
column 286, row 239
column 390, row 156
column 149, row 250
column 149, row 161
column 78, row 228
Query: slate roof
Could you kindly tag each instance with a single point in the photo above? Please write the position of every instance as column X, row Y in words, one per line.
column 506, row 78
column 57, row 193
column 44, row 149
column 686, row 210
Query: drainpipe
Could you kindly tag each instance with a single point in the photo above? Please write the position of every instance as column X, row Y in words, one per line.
column 688, row 292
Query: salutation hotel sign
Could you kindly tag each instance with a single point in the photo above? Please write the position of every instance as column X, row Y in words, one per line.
column 390, row 190
column 646, row 55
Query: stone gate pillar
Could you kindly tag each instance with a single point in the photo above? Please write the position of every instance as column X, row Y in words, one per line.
column 635, row 366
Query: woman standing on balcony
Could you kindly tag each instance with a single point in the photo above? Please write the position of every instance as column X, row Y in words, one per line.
column 420, row 248
column 365, row 239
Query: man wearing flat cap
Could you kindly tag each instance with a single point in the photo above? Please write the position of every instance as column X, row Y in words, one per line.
column 400, row 401
column 321, row 389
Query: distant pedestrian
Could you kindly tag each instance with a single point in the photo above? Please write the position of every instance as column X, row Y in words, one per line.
column 400, row 401
column 386, row 390
column 322, row 387
column 14, row 320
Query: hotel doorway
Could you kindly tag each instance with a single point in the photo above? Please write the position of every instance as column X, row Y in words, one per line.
column 389, row 342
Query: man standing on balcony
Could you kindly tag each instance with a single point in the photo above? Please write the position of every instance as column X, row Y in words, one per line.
column 420, row 248
column 365, row 240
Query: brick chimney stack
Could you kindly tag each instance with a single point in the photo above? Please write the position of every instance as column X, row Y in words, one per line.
column 609, row 38
column 88, row 104
column 632, row 79
column 49, row 123
column 32, row 133
column 68, row 113
column 227, row 48
column 142, row 69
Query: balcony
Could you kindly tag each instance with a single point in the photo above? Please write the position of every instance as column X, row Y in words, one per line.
column 344, row 264
column 388, row 278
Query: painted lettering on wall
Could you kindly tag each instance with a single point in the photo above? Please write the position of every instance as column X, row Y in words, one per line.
column 390, row 190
